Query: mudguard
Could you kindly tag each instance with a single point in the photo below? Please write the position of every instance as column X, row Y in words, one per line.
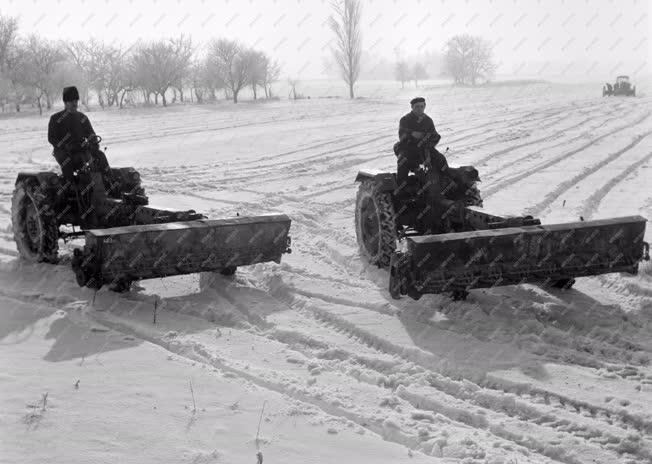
column 385, row 181
column 44, row 178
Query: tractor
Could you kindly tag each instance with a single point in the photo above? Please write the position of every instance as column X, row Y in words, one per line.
column 125, row 238
column 621, row 87
column 433, row 236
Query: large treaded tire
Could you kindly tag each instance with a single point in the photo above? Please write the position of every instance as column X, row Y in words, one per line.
column 375, row 224
column 34, row 223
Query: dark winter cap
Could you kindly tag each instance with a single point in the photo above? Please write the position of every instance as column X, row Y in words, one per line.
column 417, row 100
column 70, row 94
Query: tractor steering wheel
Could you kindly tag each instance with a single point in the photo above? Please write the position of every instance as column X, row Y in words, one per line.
column 93, row 139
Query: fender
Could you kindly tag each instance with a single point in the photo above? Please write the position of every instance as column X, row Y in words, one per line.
column 46, row 179
column 385, row 181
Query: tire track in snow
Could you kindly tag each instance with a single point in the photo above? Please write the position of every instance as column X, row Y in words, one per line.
column 483, row 410
column 408, row 433
column 591, row 204
column 530, row 156
column 566, row 185
column 428, row 360
column 512, row 180
column 510, row 148
column 283, row 176
column 491, row 156
column 383, row 134
column 460, row 399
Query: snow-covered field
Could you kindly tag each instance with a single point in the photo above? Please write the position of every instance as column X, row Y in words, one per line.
column 338, row 371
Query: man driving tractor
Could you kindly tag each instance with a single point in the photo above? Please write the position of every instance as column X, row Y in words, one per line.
column 417, row 139
column 71, row 134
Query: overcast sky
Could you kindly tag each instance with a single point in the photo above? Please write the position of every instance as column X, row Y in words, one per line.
column 531, row 37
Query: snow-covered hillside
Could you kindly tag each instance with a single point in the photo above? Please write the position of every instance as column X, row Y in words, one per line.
column 340, row 371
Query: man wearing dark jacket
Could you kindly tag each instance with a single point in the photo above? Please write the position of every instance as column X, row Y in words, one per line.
column 413, row 127
column 68, row 132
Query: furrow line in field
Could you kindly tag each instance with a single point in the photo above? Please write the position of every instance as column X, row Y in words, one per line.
column 511, row 180
column 568, row 184
column 494, row 414
column 591, row 204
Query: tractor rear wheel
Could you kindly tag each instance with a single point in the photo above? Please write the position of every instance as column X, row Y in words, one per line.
column 35, row 227
column 375, row 224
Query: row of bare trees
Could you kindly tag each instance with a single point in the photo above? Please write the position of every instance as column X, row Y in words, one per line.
column 405, row 72
column 231, row 67
column 467, row 59
column 33, row 70
column 29, row 68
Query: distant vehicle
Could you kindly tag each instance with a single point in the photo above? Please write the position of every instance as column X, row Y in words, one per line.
column 621, row 87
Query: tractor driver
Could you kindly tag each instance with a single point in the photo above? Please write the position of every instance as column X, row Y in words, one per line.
column 66, row 132
column 413, row 127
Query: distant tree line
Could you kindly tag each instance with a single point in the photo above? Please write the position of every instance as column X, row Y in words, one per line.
column 33, row 70
column 467, row 59
column 406, row 72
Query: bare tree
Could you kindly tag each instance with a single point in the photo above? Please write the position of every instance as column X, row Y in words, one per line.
column 345, row 24
column 16, row 67
column 8, row 29
column 293, row 88
column 161, row 64
column 105, row 69
column 271, row 75
column 402, row 73
column 198, row 82
column 418, row 73
column 231, row 62
column 139, row 66
column 468, row 59
column 5, row 92
column 121, row 77
column 257, row 64
column 183, row 51
column 43, row 59
column 87, row 56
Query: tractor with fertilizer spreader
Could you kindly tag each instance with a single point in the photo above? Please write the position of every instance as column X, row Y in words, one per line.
column 125, row 238
column 433, row 236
